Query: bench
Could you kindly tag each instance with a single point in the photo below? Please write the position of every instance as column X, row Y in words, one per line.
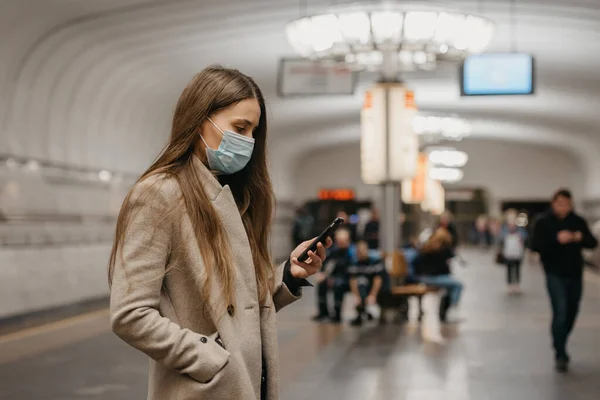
column 397, row 297
column 416, row 289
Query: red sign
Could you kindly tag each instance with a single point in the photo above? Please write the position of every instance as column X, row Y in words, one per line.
column 337, row 194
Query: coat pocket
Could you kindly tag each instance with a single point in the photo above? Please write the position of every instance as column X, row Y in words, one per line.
column 227, row 384
column 215, row 358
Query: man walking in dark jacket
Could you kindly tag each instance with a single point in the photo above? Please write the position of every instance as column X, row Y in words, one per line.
column 559, row 237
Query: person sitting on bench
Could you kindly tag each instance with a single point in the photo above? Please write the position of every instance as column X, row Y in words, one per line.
column 365, row 281
column 432, row 266
column 411, row 253
column 334, row 276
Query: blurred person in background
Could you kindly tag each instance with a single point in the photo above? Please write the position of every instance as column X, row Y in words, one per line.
column 192, row 282
column 447, row 223
column 411, row 254
column 334, row 276
column 364, row 216
column 494, row 229
column 303, row 228
column 410, row 250
column 481, row 235
column 512, row 241
column 560, row 236
column 371, row 232
column 432, row 267
column 366, row 279
column 349, row 226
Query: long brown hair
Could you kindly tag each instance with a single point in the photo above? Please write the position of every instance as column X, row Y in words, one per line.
column 439, row 240
column 214, row 89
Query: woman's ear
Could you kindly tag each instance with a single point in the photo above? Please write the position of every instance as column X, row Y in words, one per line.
column 201, row 128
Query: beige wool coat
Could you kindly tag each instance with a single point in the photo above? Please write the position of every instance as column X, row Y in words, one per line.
column 163, row 316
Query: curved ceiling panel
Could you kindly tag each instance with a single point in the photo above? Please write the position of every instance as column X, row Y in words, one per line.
column 94, row 83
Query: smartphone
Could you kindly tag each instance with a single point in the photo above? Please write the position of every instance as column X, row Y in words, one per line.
column 329, row 231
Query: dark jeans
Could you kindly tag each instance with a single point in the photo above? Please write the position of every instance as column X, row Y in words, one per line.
column 513, row 271
column 565, row 296
column 364, row 288
column 339, row 286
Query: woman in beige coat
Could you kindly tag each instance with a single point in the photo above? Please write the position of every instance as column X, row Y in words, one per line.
column 192, row 283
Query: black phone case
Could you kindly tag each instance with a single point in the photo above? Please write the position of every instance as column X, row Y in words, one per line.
column 321, row 238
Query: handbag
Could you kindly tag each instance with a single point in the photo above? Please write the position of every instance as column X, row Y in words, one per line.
column 500, row 258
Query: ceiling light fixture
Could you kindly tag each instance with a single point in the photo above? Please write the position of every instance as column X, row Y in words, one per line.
column 435, row 128
column 448, row 175
column 33, row 165
column 11, row 163
column 447, row 157
column 105, row 176
column 389, row 35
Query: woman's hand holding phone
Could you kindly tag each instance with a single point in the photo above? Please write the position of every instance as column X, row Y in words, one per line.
column 302, row 270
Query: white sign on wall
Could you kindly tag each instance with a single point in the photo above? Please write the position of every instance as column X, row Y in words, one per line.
column 301, row 77
column 393, row 158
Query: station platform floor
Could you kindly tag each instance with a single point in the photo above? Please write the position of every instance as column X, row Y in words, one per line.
column 501, row 351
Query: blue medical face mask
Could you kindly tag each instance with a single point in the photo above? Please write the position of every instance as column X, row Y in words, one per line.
column 233, row 153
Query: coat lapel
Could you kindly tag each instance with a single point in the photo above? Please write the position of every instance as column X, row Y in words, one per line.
column 226, row 208
column 211, row 185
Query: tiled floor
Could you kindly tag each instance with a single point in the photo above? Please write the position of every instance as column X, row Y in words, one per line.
column 501, row 351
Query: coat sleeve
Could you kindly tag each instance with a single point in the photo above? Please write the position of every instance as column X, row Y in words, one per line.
column 287, row 289
column 136, row 291
column 543, row 237
column 588, row 240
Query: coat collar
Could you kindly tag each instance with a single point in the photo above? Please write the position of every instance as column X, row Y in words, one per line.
column 211, row 184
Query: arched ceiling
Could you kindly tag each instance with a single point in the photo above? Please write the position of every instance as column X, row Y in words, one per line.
column 94, row 82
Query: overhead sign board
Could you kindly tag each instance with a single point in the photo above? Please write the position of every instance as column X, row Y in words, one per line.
column 302, row 77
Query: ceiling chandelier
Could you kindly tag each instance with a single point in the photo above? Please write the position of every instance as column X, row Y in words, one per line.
column 435, row 128
column 389, row 35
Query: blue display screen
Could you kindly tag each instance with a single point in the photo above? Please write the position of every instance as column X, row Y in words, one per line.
column 497, row 74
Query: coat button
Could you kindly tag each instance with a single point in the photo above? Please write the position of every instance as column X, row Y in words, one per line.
column 203, row 339
column 230, row 310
